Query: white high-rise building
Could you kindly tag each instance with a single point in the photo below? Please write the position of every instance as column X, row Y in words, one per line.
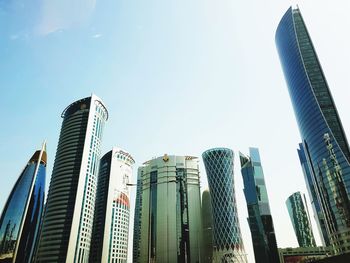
column 111, row 224
column 68, row 219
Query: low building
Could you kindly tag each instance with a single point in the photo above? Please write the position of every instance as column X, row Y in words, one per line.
column 303, row 254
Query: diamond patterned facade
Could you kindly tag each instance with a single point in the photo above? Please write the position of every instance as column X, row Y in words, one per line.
column 228, row 244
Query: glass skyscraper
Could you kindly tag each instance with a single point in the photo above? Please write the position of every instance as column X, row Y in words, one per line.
column 299, row 215
column 324, row 141
column 112, row 210
column 228, row 244
column 313, row 196
column 260, row 219
column 21, row 218
column 171, row 225
column 69, row 212
column 207, row 221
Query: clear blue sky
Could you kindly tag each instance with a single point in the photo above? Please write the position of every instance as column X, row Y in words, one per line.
column 178, row 77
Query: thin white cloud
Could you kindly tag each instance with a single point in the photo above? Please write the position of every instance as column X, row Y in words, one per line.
column 97, row 36
column 64, row 14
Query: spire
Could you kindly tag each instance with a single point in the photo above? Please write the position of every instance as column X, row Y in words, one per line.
column 40, row 154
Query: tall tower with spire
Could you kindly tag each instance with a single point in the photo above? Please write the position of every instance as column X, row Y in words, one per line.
column 21, row 218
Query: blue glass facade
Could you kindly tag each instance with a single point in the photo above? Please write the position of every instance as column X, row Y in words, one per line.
column 325, row 145
column 260, row 219
column 308, row 176
column 21, row 217
column 227, row 239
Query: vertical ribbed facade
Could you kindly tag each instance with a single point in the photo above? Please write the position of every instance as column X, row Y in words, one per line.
column 308, row 176
column 112, row 211
column 207, row 221
column 228, row 243
column 68, row 219
column 325, row 144
column 260, row 219
column 22, row 215
column 299, row 215
column 171, row 225
column 137, row 219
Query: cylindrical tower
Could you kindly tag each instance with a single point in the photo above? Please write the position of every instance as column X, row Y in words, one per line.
column 112, row 210
column 67, row 224
column 171, row 225
column 228, row 244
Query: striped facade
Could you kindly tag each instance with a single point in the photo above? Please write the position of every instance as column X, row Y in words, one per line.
column 68, row 219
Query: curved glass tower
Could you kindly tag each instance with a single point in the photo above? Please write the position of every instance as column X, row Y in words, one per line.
column 111, row 225
column 69, row 212
column 228, row 244
column 299, row 215
column 21, row 218
column 324, row 141
column 260, row 219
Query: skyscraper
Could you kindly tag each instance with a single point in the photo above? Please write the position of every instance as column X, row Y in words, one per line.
column 260, row 219
column 299, row 215
column 69, row 213
column 207, row 220
column 313, row 196
column 111, row 225
column 228, row 244
column 324, row 141
column 136, row 253
column 21, row 218
column 171, row 225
